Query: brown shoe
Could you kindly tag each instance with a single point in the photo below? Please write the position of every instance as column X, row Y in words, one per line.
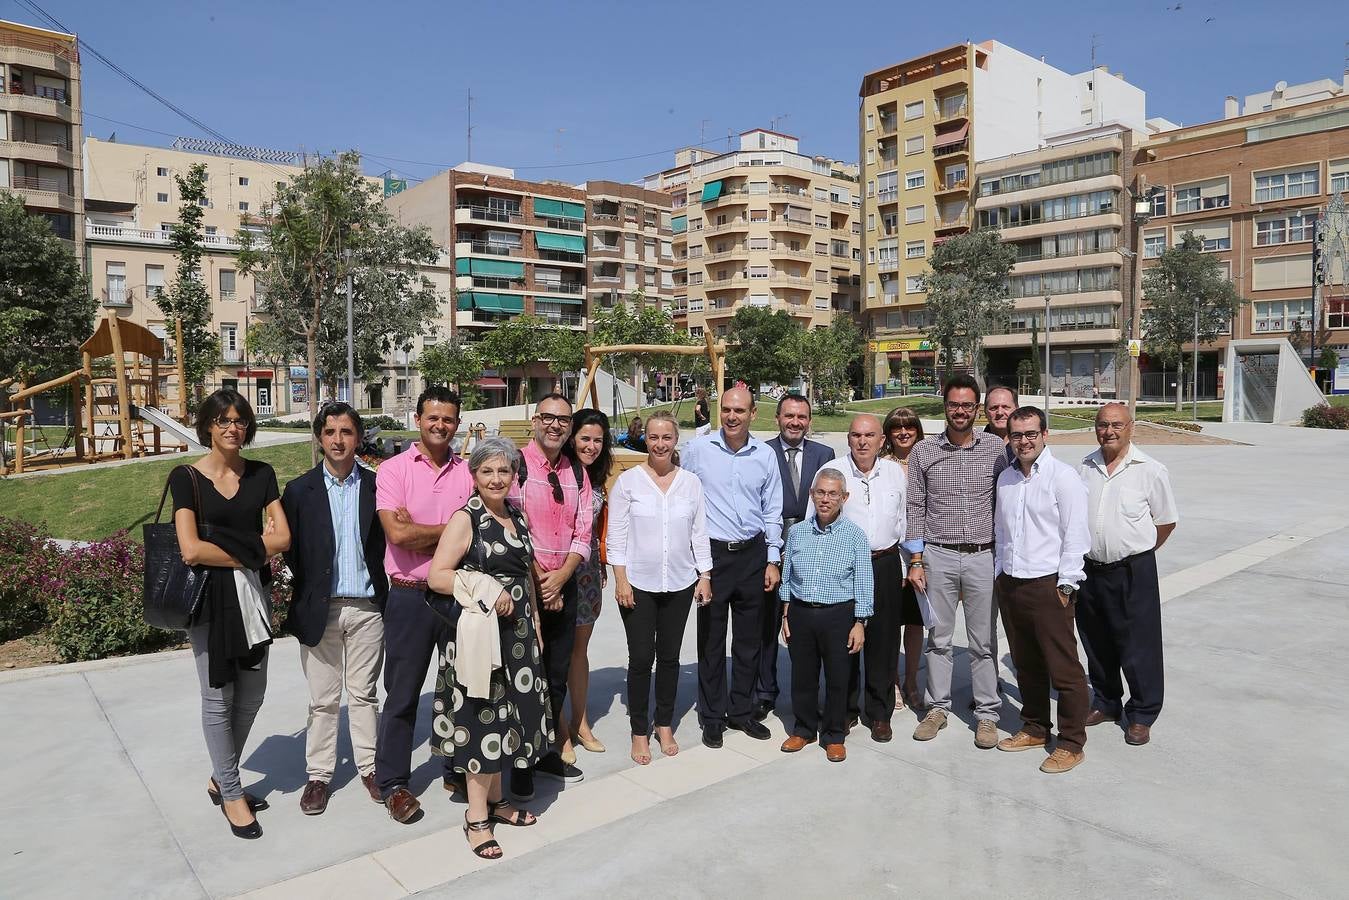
column 794, row 744
column 1138, row 735
column 1020, row 741
column 835, row 753
column 1062, row 760
column 371, row 787
column 881, row 732
column 932, row 723
column 986, row 734
column 1096, row 717
column 402, row 805
column 314, row 800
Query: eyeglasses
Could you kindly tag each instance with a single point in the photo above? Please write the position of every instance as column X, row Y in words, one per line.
column 224, row 423
column 551, row 419
column 1111, row 426
column 556, row 484
column 828, row 495
column 961, row 407
column 1024, row 435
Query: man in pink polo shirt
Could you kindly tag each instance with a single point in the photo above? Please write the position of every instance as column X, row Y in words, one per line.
column 416, row 492
column 550, row 495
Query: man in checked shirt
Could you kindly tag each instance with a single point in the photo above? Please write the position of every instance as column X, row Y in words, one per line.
column 952, row 478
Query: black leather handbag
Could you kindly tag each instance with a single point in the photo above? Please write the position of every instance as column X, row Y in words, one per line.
column 173, row 590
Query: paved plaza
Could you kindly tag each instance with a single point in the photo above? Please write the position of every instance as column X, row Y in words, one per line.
column 1240, row 794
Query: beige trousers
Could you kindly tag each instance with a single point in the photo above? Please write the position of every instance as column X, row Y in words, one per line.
column 351, row 653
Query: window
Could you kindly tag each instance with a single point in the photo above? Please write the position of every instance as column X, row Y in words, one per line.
column 871, row 255
column 755, row 215
column 243, row 206
column 758, row 187
column 871, row 188
column 871, row 221
column 1282, row 315
column 915, row 249
column 1337, row 309
column 871, row 290
column 890, row 222
column 758, row 243
column 695, row 304
column 666, row 249
column 821, row 275
column 758, row 271
column 888, row 185
column 821, row 248
column 1285, row 229
column 229, row 343
column 821, row 221
column 1339, row 176
column 821, row 302
column 243, row 181
column 1215, row 235
column 913, row 145
column 894, row 319
column 1159, row 204
column 821, row 194
column 871, row 155
column 1154, row 243
column 162, row 172
column 161, row 197
column 914, row 180
column 1211, row 194
column 913, row 110
column 115, row 293
column 915, row 214
column 154, row 281
column 913, row 284
column 871, row 122
column 1282, row 185
column 210, row 230
column 1274, row 272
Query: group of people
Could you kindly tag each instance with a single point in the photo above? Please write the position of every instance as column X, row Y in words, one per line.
column 494, row 567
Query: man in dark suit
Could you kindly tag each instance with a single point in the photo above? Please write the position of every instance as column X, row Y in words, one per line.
column 337, row 604
column 798, row 461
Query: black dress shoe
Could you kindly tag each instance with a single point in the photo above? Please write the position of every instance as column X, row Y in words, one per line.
column 756, row 730
column 712, row 737
column 762, row 710
column 250, row 832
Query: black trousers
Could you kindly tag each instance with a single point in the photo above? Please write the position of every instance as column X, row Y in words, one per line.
column 655, row 628
column 737, row 598
column 412, row 634
column 880, row 653
column 766, row 687
column 559, row 635
column 819, row 640
column 1119, row 617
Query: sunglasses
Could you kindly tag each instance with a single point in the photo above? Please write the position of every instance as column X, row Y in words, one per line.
column 556, row 486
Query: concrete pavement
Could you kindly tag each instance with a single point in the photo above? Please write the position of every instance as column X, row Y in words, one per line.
column 1239, row 794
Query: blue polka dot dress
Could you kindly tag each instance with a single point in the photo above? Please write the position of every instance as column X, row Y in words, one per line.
column 513, row 727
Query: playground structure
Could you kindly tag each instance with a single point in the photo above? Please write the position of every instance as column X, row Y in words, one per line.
column 112, row 416
column 594, row 356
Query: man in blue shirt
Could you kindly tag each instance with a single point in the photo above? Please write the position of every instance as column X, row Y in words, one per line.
column 742, row 490
column 826, row 596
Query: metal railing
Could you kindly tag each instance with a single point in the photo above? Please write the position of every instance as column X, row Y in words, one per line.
column 496, row 249
column 488, row 214
column 947, row 111
column 560, row 287
column 32, row 183
column 561, row 256
column 561, row 319
column 232, row 356
column 118, row 297
column 561, row 224
column 58, row 143
column 959, row 184
column 962, row 146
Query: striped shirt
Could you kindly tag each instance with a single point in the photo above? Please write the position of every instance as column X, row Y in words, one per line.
column 828, row 565
column 351, row 577
column 951, row 490
column 556, row 529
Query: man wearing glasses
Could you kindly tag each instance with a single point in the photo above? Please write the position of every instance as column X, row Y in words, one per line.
column 952, row 476
column 559, row 526
column 1041, row 534
column 1132, row 512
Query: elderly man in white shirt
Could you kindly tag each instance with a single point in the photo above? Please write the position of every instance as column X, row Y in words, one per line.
column 876, row 503
column 1040, row 537
column 1131, row 511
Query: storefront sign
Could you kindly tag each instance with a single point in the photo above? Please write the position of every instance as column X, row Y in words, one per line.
column 895, row 346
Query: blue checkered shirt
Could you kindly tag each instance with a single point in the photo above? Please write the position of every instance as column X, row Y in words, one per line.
column 828, row 565
column 351, row 578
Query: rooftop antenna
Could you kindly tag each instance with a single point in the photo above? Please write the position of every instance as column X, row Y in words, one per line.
column 773, row 122
column 557, row 143
column 702, row 129
column 1094, row 43
column 729, row 132
column 469, row 155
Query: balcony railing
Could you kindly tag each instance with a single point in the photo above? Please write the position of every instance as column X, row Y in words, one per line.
column 888, row 195
column 561, row 318
column 952, row 108
column 887, row 124
column 32, row 183
column 960, row 221
column 887, row 265
column 560, row 287
column 954, row 184
column 605, row 279
column 232, row 356
column 60, row 143
column 264, row 409
column 562, row 224
column 118, row 296
column 161, row 236
column 604, row 216
column 496, row 249
column 952, row 149
column 561, row 256
column 488, row 214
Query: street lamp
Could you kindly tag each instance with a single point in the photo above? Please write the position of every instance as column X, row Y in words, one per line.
column 351, row 343
column 1048, row 372
column 1143, row 201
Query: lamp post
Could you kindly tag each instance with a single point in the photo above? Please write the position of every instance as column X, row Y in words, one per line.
column 1194, row 370
column 1143, row 196
column 351, row 343
column 1048, row 372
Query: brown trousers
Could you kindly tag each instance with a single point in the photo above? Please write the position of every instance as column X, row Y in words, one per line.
column 1044, row 648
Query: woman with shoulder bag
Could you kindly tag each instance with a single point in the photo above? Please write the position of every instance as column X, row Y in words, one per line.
column 232, row 630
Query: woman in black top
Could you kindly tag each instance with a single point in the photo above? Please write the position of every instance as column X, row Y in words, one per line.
column 230, row 495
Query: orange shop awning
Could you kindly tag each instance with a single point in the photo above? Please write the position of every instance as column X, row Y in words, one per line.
column 952, row 137
column 492, row 384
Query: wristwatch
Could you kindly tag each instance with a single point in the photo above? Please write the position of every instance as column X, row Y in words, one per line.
column 860, row 620
column 1068, row 590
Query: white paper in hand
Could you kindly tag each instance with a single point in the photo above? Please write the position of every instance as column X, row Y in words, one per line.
column 925, row 608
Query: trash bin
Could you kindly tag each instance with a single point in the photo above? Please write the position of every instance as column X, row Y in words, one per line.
column 878, row 392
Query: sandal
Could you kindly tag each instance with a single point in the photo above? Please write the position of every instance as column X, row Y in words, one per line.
column 483, row 850
column 669, row 749
column 639, row 757
column 523, row 818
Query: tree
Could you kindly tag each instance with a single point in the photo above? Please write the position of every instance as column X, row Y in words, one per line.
column 762, row 347
column 266, row 343
column 826, row 354
column 966, row 289
column 46, row 311
column 519, row 342
column 1185, row 283
column 187, row 301
column 456, row 364
column 643, row 323
column 327, row 223
column 1030, row 368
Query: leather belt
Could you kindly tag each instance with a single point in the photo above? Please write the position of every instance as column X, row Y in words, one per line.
column 809, row 605
column 877, row 554
column 963, row 548
column 737, row 546
column 1105, row 567
column 405, row 583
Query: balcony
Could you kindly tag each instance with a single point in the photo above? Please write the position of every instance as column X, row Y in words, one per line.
column 600, row 247
column 737, row 250
column 949, row 109
column 561, row 318
column 560, row 287
column 945, row 223
column 782, row 223
column 887, row 124
column 952, row 186
column 157, row 237
column 466, row 212
column 605, row 279
column 559, row 224
column 887, row 265
column 787, row 191
column 119, row 297
column 561, row 256
column 952, row 150
column 231, row 356
column 45, row 193
column 732, row 225
column 888, row 195
column 782, row 250
column 46, row 107
column 737, row 193
column 54, row 152
column 35, row 52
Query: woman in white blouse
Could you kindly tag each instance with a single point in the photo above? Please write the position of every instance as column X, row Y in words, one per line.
column 658, row 548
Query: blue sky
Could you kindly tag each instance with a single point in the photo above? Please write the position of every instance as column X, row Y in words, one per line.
column 561, row 88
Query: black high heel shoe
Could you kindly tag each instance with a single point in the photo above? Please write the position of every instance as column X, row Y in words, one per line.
column 250, row 832
column 255, row 804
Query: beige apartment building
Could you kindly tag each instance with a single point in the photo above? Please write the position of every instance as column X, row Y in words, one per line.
column 40, row 126
column 630, row 241
column 765, row 226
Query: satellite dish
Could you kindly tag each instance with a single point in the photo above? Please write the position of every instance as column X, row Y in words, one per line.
column 1281, row 86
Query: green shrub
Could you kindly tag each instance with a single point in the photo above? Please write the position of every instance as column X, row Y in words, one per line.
column 1323, row 416
column 383, row 423
column 299, row 424
column 27, row 560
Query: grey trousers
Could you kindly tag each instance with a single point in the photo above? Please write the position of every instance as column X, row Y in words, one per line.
column 227, row 714
column 962, row 578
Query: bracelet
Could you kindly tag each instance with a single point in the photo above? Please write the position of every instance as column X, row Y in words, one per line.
column 916, row 564
column 707, row 575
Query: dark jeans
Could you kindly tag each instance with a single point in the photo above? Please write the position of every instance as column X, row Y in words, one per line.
column 412, row 634
column 819, row 640
column 1044, row 649
column 737, row 598
column 880, row 652
column 559, row 634
column 655, row 628
column 1119, row 615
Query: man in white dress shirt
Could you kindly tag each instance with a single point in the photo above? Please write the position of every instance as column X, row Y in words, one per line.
column 876, row 503
column 1131, row 512
column 1040, row 537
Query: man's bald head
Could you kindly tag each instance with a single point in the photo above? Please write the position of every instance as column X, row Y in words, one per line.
column 738, row 396
column 1114, row 411
column 864, row 440
column 1114, row 429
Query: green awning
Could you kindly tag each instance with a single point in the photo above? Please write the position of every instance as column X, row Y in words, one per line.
column 571, row 299
column 495, row 267
column 711, row 190
column 679, row 224
column 559, row 208
column 574, row 210
column 491, row 303
column 569, row 243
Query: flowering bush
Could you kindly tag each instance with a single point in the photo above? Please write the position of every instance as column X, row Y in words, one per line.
column 280, row 593
column 27, row 560
column 1323, row 416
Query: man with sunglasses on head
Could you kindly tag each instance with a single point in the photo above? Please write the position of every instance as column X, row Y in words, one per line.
column 950, row 498
column 548, row 492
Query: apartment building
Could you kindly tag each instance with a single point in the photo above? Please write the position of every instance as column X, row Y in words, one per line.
column 40, row 126
column 1252, row 187
column 924, row 124
column 765, row 226
column 1064, row 209
column 630, row 240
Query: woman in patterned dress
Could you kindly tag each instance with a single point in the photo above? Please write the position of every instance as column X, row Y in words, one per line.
column 589, row 446
column 512, row 727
